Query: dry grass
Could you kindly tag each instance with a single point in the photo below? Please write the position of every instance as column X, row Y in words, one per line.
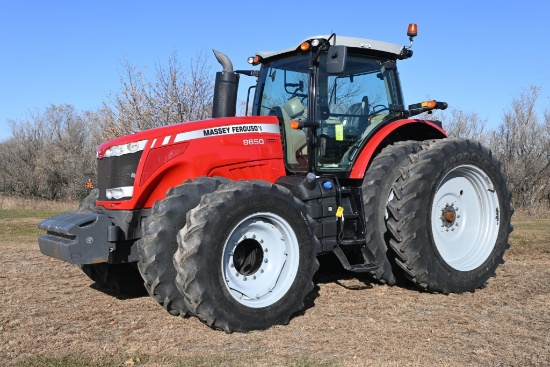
column 52, row 312
column 531, row 235
column 18, row 203
column 541, row 212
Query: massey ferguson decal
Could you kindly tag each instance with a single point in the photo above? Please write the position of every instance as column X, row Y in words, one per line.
column 227, row 130
column 232, row 130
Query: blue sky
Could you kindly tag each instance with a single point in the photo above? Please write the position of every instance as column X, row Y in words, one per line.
column 475, row 55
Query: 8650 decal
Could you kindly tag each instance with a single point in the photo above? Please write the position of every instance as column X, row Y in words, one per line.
column 253, row 141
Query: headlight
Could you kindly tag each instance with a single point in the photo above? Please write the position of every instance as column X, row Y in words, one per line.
column 122, row 149
column 119, row 192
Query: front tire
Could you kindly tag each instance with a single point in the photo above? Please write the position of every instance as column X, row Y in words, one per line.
column 450, row 216
column 255, row 269
column 159, row 242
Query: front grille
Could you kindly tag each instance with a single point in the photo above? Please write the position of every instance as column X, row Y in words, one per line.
column 116, row 171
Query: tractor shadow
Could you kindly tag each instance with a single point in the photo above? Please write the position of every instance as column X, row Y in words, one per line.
column 134, row 294
column 331, row 271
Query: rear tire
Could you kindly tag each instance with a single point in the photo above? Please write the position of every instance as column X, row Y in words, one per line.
column 159, row 243
column 124, row 279
column 255, row 269
column 450, row 216
column 377, row 186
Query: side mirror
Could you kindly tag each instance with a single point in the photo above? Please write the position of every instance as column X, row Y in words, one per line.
column 337, row 57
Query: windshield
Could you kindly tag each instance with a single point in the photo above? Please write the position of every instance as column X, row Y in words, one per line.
column 350, row 106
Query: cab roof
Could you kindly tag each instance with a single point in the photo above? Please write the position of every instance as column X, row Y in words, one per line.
column 352, row 42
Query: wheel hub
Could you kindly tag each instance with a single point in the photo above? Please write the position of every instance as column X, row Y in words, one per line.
column 255, row 258
column 248, row 256
column 449, row 216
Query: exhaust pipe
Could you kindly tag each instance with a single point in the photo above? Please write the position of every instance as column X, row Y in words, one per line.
column 225, row 89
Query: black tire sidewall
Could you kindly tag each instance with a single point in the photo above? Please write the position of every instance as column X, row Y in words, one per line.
column 384, row 176
column 159, row 243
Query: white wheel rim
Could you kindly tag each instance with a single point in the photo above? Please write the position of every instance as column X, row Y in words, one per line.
column 270, row 271
column 465, row 217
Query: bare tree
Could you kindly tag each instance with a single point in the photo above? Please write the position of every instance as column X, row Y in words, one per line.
column 50, row 155
column 460, row 124
column 522, row 142
column 174, row 95
column 467, row 125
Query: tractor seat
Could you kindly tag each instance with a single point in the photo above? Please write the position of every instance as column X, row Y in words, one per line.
column 293, row 109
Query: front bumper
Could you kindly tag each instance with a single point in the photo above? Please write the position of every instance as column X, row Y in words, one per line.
column 90, row 238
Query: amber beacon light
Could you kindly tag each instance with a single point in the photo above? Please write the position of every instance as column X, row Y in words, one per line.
column 412, row 31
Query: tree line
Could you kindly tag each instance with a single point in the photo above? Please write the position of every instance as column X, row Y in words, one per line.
column 51, row 153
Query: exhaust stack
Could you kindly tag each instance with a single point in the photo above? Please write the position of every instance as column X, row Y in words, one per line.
column 225, row 89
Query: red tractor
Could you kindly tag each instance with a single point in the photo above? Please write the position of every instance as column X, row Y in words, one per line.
column 224, row 218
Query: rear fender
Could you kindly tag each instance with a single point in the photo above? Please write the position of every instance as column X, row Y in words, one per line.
column 397, row 131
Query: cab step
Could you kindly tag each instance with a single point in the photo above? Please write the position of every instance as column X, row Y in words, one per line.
column 367, row 267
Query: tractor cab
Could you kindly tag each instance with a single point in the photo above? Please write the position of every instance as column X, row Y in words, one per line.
column 330, row 93
column 338, row 99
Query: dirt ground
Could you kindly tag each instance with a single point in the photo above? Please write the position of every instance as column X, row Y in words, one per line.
column 50, row 308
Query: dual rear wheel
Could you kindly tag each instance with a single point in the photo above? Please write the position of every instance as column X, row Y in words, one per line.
column 442, row 214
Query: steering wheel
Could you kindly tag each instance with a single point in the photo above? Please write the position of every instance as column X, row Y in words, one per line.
column 376, row 112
